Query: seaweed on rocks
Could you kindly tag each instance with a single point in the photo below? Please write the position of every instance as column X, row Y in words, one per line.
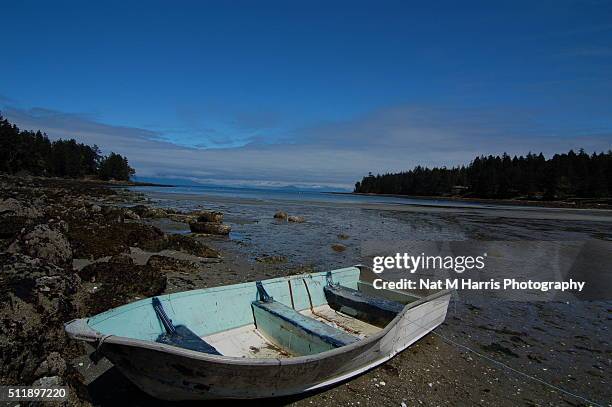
column 35, row 301
column 116, row 283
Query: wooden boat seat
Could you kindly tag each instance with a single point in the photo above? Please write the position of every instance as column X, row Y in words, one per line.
column 374, row 310
column 295, row 332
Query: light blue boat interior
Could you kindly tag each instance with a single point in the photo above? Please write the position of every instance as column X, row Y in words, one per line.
column 212, row 310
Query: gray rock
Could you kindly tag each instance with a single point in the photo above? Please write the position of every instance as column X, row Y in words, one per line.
column 122, row 258
column 130, row 214
column 337, row 247
column 12, row 206
column 210, row 228
column 149, row 212
column 281, row 215
column 35, row 302
column 48, row 381
column 296, row 219
column 208, row 216
column 183, row 218
column 53, row 365
column 46, row 241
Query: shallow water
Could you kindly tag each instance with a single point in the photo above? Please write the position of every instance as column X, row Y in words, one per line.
column 362, row 219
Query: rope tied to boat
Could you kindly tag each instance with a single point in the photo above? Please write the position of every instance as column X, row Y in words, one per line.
column 97, row 354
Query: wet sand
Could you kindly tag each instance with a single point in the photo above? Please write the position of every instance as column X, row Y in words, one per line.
column 594, row 203
column 564, row 344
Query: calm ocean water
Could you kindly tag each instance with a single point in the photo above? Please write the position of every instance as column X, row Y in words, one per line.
column 296, row 195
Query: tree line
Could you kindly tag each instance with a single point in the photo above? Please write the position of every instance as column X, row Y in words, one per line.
column 568, row 175
column 31, row 152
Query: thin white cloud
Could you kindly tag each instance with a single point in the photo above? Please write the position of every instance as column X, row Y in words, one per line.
column 334, row 154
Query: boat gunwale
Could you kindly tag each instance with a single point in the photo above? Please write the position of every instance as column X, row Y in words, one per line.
column 86, row 333
column 184, row 294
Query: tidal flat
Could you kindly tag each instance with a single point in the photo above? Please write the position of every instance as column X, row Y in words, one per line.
column 103, row 246
column 562, row 340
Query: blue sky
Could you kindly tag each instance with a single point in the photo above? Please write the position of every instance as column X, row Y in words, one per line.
column 309, row 93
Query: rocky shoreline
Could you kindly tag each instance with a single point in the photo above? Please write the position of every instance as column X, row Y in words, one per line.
column 71, row 248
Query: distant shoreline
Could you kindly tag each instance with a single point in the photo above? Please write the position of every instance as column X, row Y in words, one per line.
column 139, row 184
column 586, row 204
column 112, row 183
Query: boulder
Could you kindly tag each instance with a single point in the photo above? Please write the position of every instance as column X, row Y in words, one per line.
column 157, row 213
column 120, row 283
column 142, row 235
column 14, row 207
column 189, row 245
column 281, row 215
column 113, row 214
column 92, row 241
column 210, row 228
column 289, row 218
column 46, row 241
column 53, row 365
column 130, row 214
column 122, row 258
column 148, row 212
column 48, row 381
column 183, row 218
column 337, row 247
column 35, row 301
column 208, row 216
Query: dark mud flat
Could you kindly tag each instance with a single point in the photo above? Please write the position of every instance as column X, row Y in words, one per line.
column 102, row 250
column 564, row 343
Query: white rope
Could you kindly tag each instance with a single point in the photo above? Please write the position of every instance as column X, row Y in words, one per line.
column 552, row 386
column 97, row 353
column 101, row 341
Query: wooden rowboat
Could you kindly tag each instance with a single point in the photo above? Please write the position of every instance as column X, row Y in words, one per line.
column 272, row 338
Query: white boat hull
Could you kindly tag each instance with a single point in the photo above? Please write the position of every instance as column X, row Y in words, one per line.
column 172, row 373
